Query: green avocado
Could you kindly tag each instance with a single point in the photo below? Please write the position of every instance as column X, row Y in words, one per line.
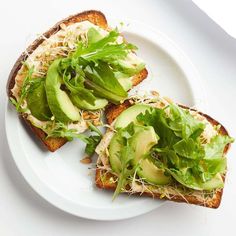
column 151, row 173
column 129, row 115
column 142, row 142
column 94, row 35
column 215, row 182
column 131, row 65
column 82, row 104
column 114, row 148
column 37, row 101
column 58, row 100
column 102, row 92
column 126, row 83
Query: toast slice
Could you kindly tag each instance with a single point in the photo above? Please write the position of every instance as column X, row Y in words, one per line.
column 103, row 177
column 95, row 17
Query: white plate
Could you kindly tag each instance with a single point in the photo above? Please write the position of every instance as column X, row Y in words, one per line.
column 61, row 179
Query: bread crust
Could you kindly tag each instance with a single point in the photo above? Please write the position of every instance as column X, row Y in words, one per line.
column 102, row 178
column 97, row 18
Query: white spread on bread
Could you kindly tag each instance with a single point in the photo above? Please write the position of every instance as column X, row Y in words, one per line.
column 80, row 126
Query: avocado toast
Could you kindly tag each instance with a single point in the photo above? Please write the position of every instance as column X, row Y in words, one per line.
column 68, row 75
column 160, row 149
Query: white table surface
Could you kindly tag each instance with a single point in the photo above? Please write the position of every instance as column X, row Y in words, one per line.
column 24, row 213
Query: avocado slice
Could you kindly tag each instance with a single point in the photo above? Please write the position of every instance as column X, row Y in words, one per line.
column 94, row 35
column 37, row 101
column 131, row 65
column 215, row 182
column 129, row 115
column 126, row 83
column 58, row 100
column 151, row 173
column 114, row 149
column 142, row 141
column 99, row 91
column 82, row 104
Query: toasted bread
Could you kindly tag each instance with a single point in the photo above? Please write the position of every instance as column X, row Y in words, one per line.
column 97, row 18
column 103, row 177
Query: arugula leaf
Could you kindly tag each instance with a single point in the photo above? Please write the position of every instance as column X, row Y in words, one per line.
column 61, row 130
column 93, row 140
column 105, row 49
column 88, row 67
column 93, row 44
column 94, row 128
column 92, row 68
column 27, row 82
column 73, row 77
column 109, row 52
column 92, row 143
column 126, row 155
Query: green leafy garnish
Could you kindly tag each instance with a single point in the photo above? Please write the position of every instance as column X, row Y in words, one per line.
column 61, row 130
column 102, row 80
column 88, row 76
column 92, row 143
column 92, row 68
column 37, row 100
column 215, row 148
column 105, row 49
column 180, row 151
column 94, row 128
column 27, row 82
column 183, row 123
column 93, row 140
column 125, row 156
column 73, row 78
column 189, row 148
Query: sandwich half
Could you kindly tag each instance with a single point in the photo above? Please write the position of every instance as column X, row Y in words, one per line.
column 67, row 76
column 154, row 147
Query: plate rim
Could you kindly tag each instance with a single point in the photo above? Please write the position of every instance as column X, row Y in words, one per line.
column 180, row 58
